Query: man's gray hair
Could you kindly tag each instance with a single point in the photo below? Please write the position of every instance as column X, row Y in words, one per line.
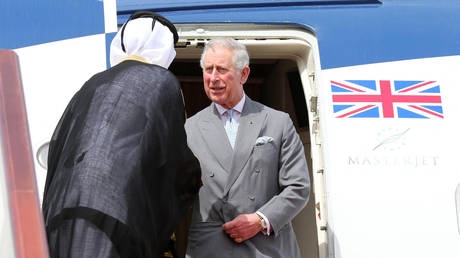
column 240, row 54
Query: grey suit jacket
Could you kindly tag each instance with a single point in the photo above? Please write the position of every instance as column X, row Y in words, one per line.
column 271, row 178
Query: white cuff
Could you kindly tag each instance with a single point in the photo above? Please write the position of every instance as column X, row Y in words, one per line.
column 268, row 229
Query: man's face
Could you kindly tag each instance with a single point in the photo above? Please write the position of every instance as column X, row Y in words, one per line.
column 222, row 82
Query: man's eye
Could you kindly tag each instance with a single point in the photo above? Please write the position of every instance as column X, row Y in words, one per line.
column 208, row 70
column 222, row 70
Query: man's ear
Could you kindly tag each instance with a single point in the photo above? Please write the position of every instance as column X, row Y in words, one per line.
column 244, row 75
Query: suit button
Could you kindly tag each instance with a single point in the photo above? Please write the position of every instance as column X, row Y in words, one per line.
column 257, row 171
column 252, row 198
column 211, row 174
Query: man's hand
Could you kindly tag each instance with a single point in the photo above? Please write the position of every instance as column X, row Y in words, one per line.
column 243, row 227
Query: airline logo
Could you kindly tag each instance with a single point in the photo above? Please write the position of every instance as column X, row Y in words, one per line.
column 386, row 99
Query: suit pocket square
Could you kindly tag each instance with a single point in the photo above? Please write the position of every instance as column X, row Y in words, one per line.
column 263, row 140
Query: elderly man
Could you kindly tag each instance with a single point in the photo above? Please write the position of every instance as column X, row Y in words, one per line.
column 253, row 165
column 120, row 174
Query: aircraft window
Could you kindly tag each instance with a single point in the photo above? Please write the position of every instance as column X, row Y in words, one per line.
column 42, row 155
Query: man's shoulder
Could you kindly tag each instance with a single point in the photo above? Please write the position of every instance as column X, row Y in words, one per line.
column 199, row 115
column 275, row 113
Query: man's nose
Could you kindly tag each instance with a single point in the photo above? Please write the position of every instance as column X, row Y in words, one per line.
column 214, row 75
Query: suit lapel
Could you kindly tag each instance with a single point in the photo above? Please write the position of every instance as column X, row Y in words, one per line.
column 215, row 137
column 251, row 122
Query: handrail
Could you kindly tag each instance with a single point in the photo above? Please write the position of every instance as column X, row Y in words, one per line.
column 27, row 220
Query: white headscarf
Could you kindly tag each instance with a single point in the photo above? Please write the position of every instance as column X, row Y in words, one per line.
column 155, row 46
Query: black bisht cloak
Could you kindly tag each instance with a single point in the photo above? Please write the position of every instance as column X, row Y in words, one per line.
column 120, row 173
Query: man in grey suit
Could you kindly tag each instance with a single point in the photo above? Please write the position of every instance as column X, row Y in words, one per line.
column 254, row 170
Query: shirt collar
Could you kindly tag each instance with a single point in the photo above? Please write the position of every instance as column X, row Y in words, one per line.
column 238, row 107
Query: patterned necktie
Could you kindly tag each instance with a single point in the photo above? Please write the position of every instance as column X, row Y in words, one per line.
column 231, row 127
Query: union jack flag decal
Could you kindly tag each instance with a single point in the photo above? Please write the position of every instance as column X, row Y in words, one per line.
column 387, row 99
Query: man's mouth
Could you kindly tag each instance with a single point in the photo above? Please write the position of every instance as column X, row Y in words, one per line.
column 217, row 89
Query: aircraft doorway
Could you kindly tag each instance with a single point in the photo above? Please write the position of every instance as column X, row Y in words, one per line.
column 282, row 77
